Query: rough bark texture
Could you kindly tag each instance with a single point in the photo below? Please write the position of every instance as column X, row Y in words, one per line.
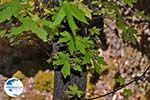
column 143, row 5
column 61, row 85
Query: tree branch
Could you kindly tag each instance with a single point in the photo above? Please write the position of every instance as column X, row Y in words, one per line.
column 117, row 89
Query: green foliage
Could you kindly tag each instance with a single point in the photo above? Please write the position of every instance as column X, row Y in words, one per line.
column 120, row 80
column 63, row 59
column 75, row 43
column 110, row 9
column 10, row 9
column 74, row 91
column 61, row 24
column 77, row 68
column 34, row 27
column 97, row 64
column 44, row 81
column 94, row 30
column 82, row 44
column 70, row 11
column 68, row 38
column 127, row 93
column 21, row 11
column 129, row 35
column 84, row 8
column 130, row 2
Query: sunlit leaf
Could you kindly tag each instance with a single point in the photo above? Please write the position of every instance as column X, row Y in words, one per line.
column 77, row 68
column 86, row 58
column 74, row 91
column 66, row 69
column 120, row 80
column 130, row 2
column 63, row 59
column 127, row 92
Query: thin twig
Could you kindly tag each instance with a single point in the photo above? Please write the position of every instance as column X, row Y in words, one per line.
column 117, row 89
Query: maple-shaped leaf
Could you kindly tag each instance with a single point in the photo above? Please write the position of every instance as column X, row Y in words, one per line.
column 130, row 2
column 70, row 11
column 82, row 43
column 10, row 9
column 68, row 38
column 34, row 27
column 63, row 59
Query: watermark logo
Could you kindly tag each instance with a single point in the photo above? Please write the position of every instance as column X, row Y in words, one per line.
column 13, row 87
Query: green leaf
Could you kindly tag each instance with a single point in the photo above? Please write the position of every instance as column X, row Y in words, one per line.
column 86, row 58
column 69, row 16
column 81, row 47
column 97, row 62
column 127, row 92
column 120, row 80
column 75, row 43
column 97, row 67
column 122, row 25
column 45, row 22
column 71, row 45
column 77, row 13
column 10, row 9
column 129, row 35
column 34, row 27
column 16, row 30
column 66, row 69
column 63, row 59
column 70, row 11
column 130, row 2
column 77, row 68
column 59, row 62
column 77, row 60
column 74, row 91
column 60, row 56
column 140, row 13
column 101, row 61
column 59, row 18
column 68, row 38
column 40, row 32
column 73, row 87
column 86, row 10
column 94, row 30
column 83, row 43
column 110, row 9
column 87, row 42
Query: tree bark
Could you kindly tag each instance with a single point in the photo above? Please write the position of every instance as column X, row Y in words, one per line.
column 143, row 5
column 61, row 85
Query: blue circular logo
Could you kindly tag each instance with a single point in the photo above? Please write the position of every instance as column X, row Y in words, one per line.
column 13, row 87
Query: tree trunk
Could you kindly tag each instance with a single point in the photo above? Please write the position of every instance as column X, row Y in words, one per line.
column 61, row 85
column 143, row 5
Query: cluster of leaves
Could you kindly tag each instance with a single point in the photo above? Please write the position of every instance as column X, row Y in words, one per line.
column 127, row 92
column 80, row 48
column 29, row 21
column 47, row 25
column 74, row 91
column 115, row 11
column 67, row 12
